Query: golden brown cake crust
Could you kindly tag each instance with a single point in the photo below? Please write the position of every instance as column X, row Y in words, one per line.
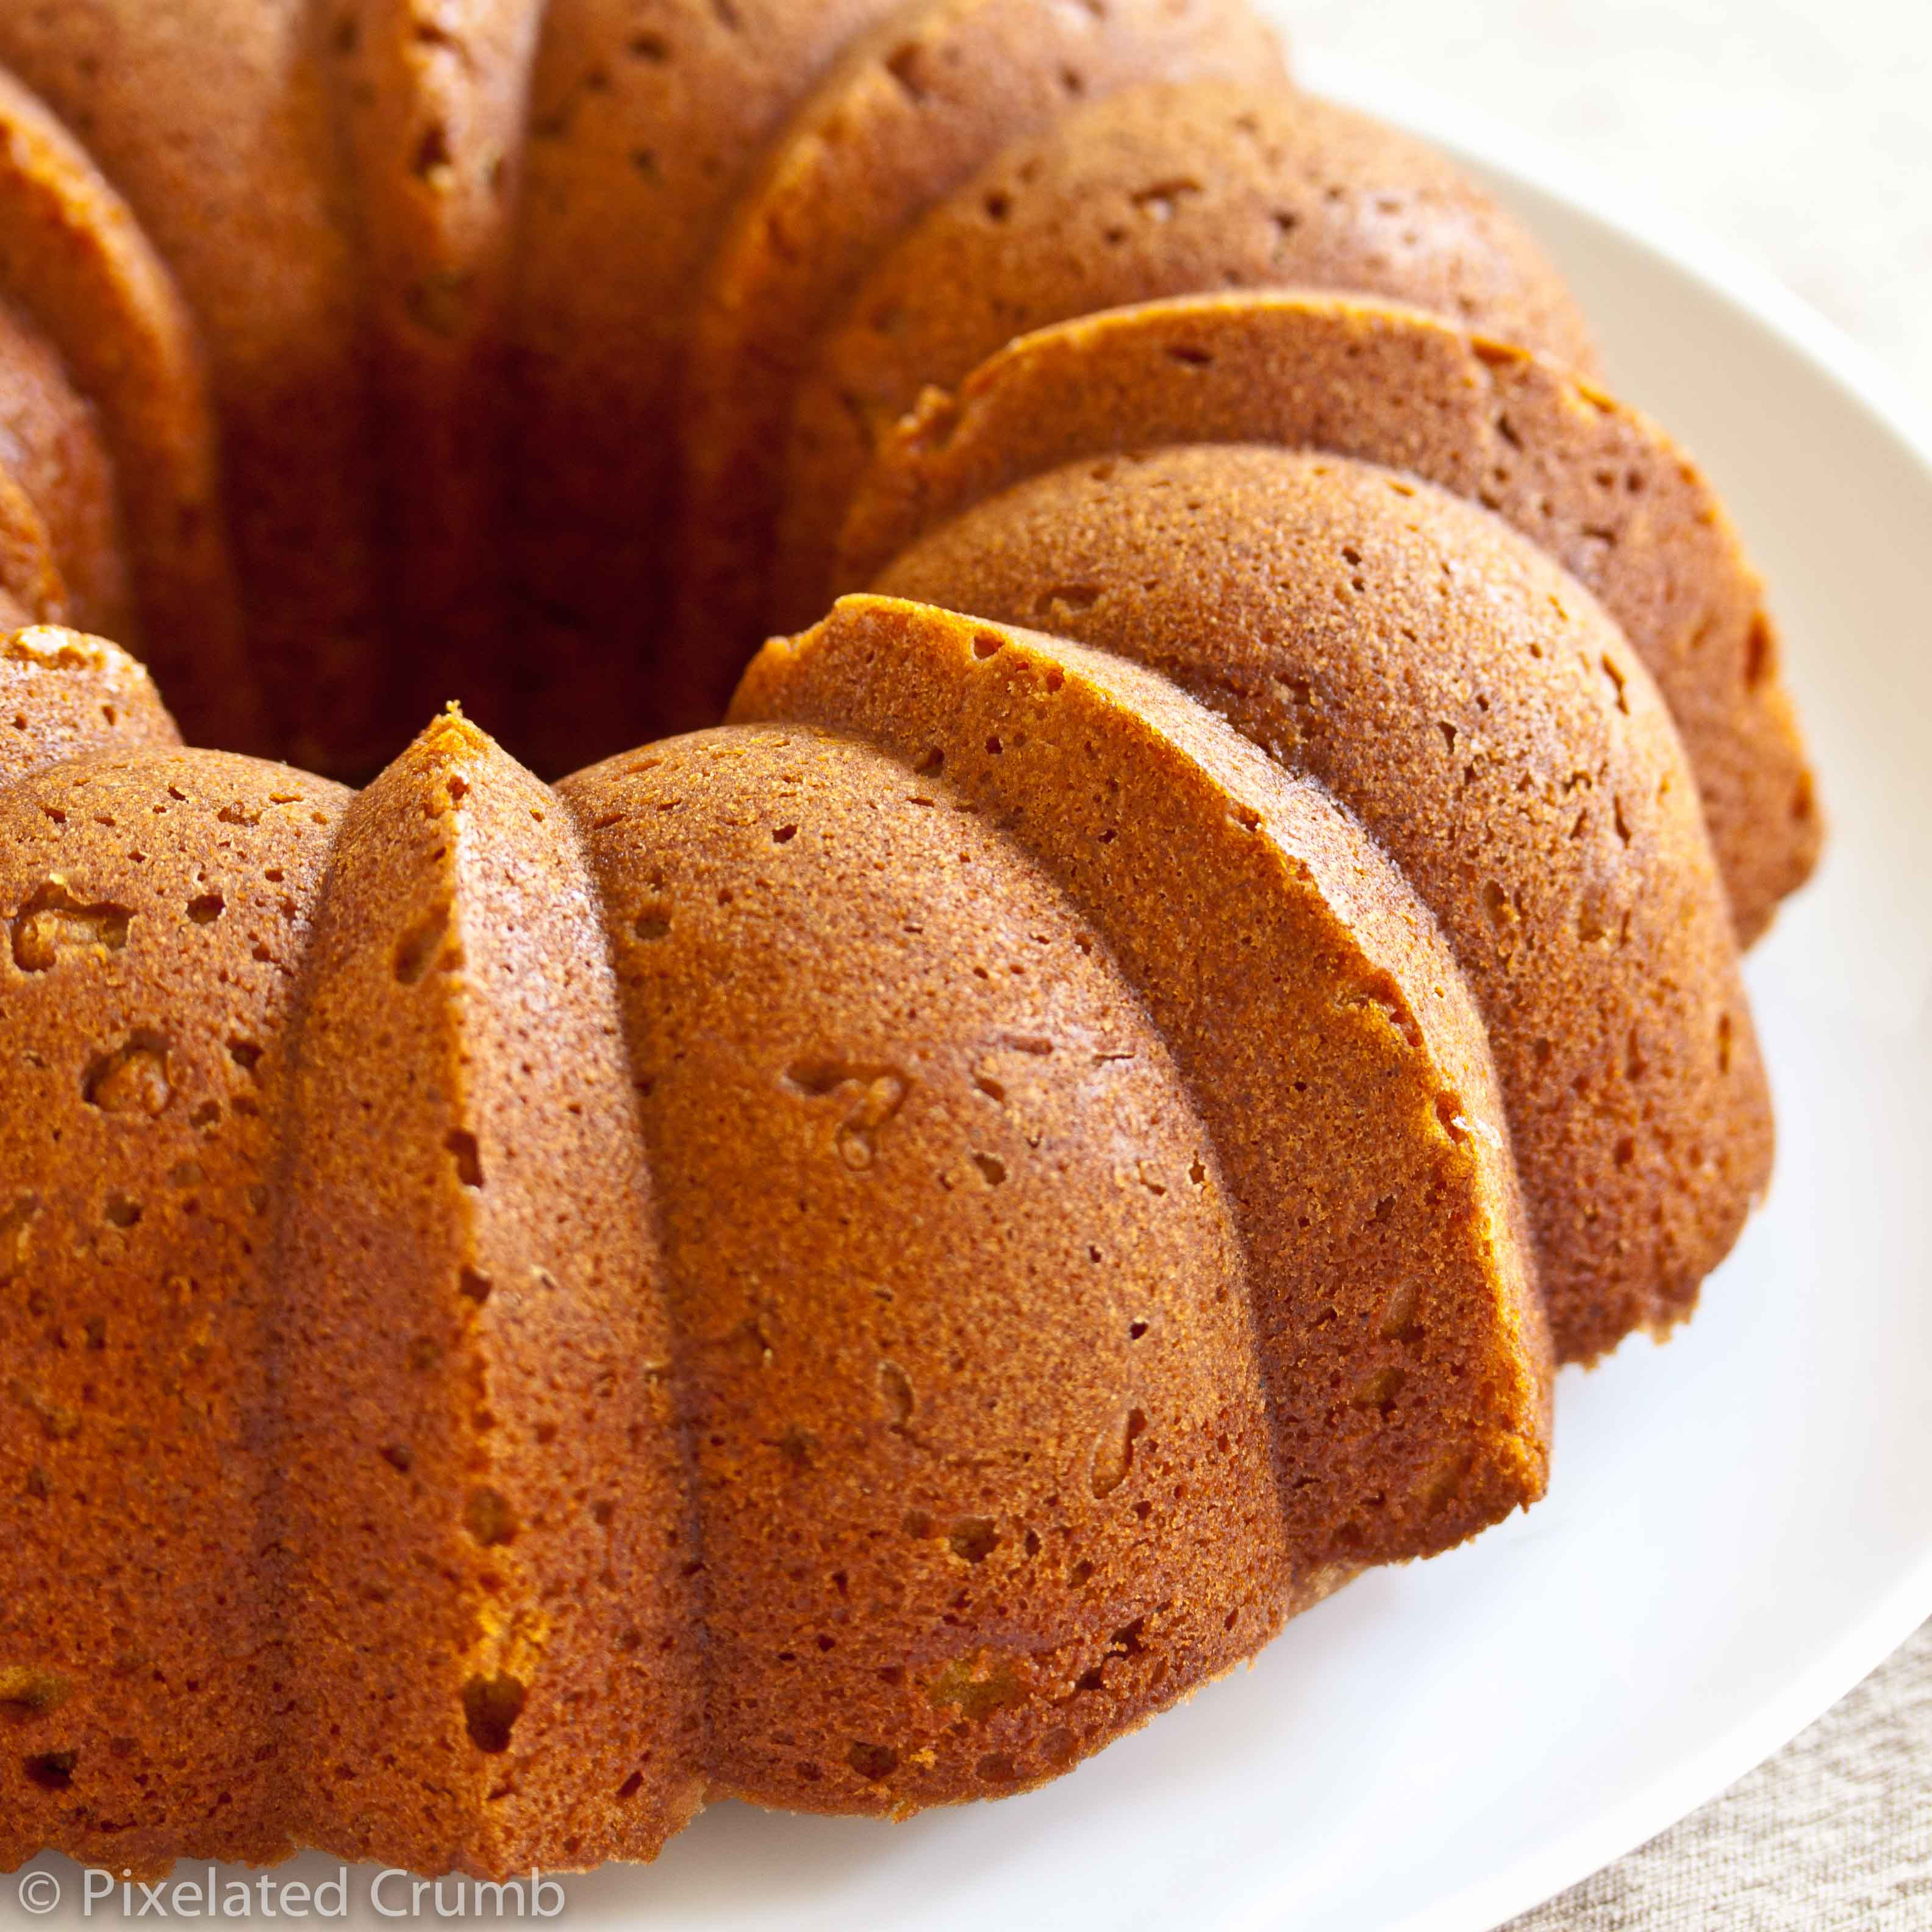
column 952, row 1499
column 32, row 589
column 909, row 111
column 1600, row 487
column 1160, row 190
column 1489, row 725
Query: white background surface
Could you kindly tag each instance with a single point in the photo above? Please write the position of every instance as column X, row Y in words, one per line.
column 1799, row 131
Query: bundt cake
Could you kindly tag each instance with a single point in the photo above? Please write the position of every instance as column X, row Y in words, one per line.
column 846, row 1258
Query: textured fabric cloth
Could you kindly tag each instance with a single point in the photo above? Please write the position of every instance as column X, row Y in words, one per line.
column 1834, row 1834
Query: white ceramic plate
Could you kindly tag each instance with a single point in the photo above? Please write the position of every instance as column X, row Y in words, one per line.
column 1740, row 1525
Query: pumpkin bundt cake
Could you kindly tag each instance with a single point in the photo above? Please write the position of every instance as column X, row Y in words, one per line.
column 848, row 1258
